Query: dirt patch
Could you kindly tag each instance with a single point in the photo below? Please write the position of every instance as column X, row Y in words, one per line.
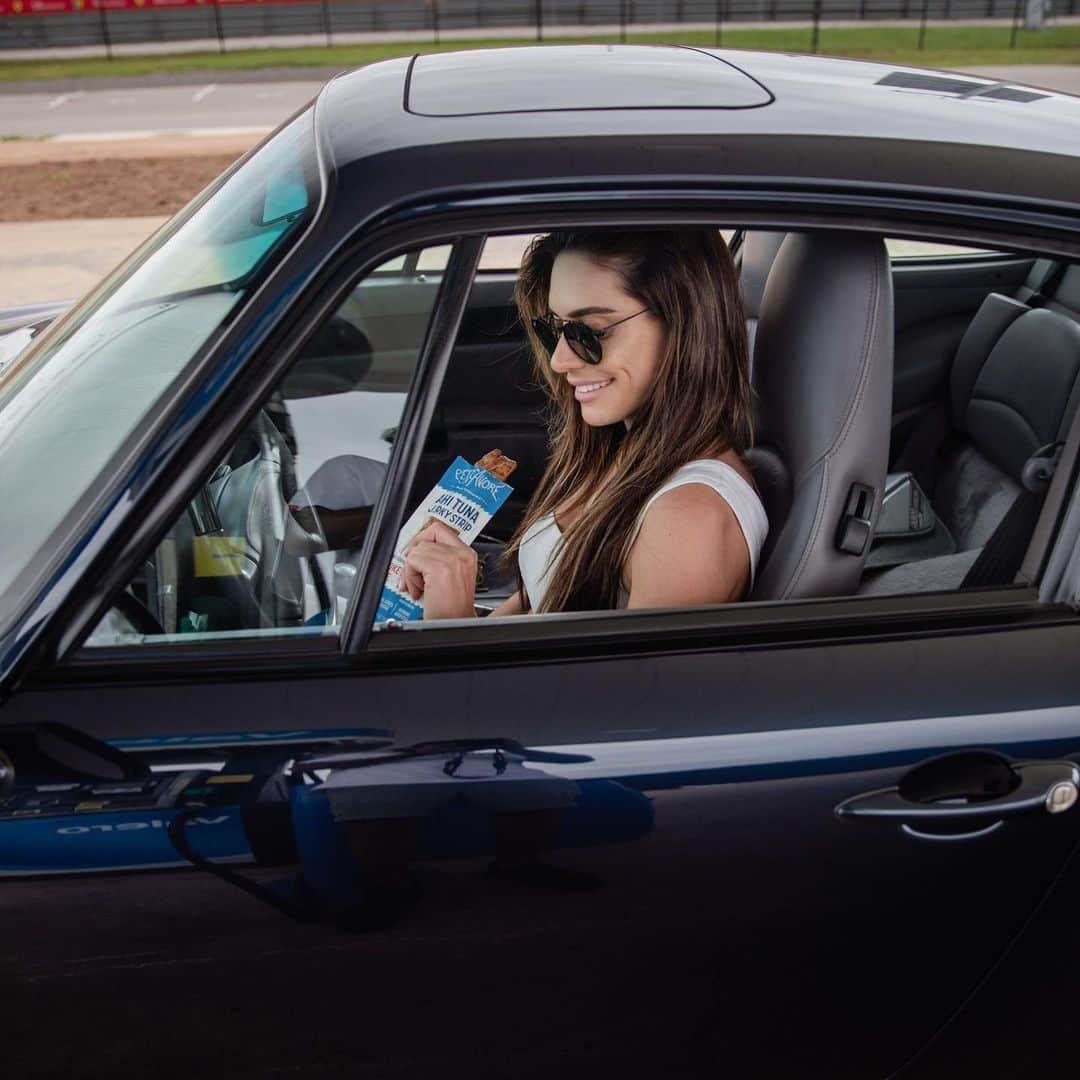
column 136, row 187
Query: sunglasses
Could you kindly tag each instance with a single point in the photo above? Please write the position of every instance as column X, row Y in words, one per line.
column 583, row 340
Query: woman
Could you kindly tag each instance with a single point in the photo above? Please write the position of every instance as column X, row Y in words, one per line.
column 640, row 339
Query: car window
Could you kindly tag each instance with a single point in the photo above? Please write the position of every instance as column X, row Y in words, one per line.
column 270, row 543
column 927, row 534
column 71, row 400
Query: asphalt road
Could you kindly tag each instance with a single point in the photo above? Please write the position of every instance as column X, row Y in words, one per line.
column 210, row 107
column 236, row 106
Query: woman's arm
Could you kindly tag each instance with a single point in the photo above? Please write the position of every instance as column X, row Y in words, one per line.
column 690, row 550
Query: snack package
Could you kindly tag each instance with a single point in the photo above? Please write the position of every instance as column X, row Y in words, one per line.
column 465, row 499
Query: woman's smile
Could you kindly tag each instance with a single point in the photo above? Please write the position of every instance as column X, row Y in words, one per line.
column 589, row 390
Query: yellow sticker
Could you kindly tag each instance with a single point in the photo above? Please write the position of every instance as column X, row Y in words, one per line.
column 236, row 778
column 219, row 556
column 90, row 806
column 24, row 813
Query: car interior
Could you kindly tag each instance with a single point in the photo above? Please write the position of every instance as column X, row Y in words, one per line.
column 928, row 386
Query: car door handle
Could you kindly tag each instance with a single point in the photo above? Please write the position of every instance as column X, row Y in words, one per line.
column 1052, row 786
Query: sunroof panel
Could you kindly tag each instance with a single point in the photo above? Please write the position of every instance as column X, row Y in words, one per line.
column 576, row 77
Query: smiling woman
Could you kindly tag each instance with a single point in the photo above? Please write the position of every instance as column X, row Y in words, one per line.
column 640, row 341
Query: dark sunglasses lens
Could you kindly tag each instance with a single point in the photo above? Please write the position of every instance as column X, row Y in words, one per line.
column 548, row 337
column 584, row 343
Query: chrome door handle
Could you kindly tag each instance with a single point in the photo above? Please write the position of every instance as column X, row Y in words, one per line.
column 1052, row 786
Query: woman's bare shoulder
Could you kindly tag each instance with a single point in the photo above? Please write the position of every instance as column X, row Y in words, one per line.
column 690, row 550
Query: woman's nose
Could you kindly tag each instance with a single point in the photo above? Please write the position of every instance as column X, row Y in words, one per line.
column 564, row 358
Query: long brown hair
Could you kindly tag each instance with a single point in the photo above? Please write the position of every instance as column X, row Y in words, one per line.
column 699, row 405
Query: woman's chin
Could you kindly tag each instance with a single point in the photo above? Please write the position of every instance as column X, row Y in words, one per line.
column 596, row 415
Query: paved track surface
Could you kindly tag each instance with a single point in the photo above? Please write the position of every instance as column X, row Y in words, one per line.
column 209, row 107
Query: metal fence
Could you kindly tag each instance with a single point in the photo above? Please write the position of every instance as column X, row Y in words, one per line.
column 229, row 24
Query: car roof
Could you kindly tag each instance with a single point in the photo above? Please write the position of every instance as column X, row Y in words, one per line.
column 550, row 115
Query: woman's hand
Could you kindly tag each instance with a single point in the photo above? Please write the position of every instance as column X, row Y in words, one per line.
column 441, row 568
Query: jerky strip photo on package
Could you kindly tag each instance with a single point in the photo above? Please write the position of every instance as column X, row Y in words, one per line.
column 465, row 499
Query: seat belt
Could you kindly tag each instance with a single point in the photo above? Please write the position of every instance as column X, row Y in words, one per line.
column 1037, row 294
column 999, row 561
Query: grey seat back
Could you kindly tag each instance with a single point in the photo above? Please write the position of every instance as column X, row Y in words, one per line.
column 1014, row 388
column 823, row 380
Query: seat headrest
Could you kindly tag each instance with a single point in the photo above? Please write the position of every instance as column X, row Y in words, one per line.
column 828, row 302
column 1016, row 380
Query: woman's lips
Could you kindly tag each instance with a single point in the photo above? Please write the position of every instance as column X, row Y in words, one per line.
column 587, row 391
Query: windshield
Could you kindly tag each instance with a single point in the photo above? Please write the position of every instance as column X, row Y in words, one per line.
column 71, row 400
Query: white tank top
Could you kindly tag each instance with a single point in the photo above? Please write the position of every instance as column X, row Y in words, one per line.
column 539, row 550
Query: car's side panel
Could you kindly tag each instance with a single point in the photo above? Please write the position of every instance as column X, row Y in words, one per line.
column 745, row 926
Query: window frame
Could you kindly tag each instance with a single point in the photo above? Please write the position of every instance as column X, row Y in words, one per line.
column 736, row 626
column 267, row 366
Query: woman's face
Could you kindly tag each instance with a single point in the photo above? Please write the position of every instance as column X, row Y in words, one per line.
column 613, row 390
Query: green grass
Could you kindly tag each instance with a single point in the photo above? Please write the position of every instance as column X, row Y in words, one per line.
column 946, row 46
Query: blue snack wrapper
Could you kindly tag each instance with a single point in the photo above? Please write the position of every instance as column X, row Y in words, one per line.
column 465, row 499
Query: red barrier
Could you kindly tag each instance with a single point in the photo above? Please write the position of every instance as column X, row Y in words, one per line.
column 58, row 7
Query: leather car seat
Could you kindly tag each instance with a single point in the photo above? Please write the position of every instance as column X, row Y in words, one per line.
column 823, row 383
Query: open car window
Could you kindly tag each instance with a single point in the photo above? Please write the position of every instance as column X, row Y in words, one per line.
column 958, row 460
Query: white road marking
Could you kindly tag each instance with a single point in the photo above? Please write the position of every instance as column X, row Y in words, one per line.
column 109, row 136
column 64, row 98
column 205, row 92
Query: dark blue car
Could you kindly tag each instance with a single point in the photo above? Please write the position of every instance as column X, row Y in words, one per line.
column 827, row 832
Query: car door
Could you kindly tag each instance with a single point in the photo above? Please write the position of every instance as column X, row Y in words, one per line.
column 699, row 903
